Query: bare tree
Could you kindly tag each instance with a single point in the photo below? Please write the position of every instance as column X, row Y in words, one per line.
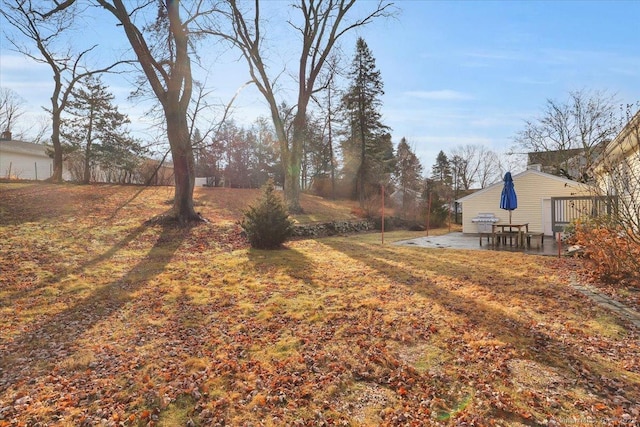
column 465, row 164
column 321, row 25
column 509, row 162
column 570, row 134
column 164, row 55
column 474, row 164
column 44, row 27
column 489, row 168
column 11, row 108
column 327, row 103
column 12, row 119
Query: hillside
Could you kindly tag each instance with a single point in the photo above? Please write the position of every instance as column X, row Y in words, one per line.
column 216, row 204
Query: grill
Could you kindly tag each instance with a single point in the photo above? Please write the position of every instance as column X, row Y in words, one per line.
column 484, row 222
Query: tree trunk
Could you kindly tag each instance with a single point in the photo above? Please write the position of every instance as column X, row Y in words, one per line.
column 183, row 163
column 291, row 166
column 87, row 165
column 87, row 151
column 292, row 176
column 332, row 165
column 57, row 148
column 363, row 149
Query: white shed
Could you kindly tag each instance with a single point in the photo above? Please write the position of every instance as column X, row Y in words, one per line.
column 534, row 190
column 24, row 160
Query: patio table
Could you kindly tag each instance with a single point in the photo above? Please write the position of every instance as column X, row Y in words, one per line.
column 519, row 230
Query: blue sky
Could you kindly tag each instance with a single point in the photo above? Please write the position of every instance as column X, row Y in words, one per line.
column 472, row 72
column 455, row 72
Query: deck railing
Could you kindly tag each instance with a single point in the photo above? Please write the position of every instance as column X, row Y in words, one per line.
column 566, row 209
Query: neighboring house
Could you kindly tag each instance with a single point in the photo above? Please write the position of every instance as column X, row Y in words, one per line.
column 24, row 160
column 534, row 190
column 153, row 173
column 29, row 161
column 558, row 162
column 398, row 196
column 571, row 164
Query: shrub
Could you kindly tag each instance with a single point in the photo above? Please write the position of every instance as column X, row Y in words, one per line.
column 439, row 214
column 613, row 256
column 390, row 223
column 396, row 223
column 267, row 224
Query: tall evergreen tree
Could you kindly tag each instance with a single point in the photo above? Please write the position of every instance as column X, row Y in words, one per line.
column 95, row 126
column 441, row 170
column 439, row 187
column 408, row 173
column 436, row 199
column 367, row 142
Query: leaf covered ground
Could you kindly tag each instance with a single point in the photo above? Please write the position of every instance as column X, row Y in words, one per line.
column 108, row 318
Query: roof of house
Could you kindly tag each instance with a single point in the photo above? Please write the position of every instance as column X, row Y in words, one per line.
column 515, row 178
column 21, row 147
column 550, row 158
column 399, row 193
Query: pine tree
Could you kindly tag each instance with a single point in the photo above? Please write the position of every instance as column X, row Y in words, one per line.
column 95, row 127
column 408, row 173
column 434, row 196
column 439, row 186
column 367, row 142
column 441, row 170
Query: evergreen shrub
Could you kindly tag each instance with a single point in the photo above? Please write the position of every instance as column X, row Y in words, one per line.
column 267, row 224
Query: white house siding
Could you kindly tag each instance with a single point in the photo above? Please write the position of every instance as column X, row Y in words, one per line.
column 24, row 160
column 201, row 182
column 532, row 188
column 618, row 169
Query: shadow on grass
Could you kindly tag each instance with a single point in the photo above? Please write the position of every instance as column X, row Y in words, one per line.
column 52, row 338
column 287, row 260
column 10, row 298
column 523, row 334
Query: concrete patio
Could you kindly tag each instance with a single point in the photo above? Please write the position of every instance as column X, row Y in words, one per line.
column 458, row 240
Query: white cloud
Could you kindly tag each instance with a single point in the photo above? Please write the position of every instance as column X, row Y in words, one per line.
column 18, row 63
column 439, row 95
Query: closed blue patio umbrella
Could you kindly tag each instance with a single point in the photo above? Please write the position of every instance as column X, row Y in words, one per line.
column 508, row 198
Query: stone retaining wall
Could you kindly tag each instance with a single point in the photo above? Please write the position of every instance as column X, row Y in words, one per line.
column 332, row 228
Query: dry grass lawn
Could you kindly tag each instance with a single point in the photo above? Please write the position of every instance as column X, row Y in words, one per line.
column 107, row 318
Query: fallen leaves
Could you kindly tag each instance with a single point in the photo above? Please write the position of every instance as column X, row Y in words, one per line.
column 144, row 325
